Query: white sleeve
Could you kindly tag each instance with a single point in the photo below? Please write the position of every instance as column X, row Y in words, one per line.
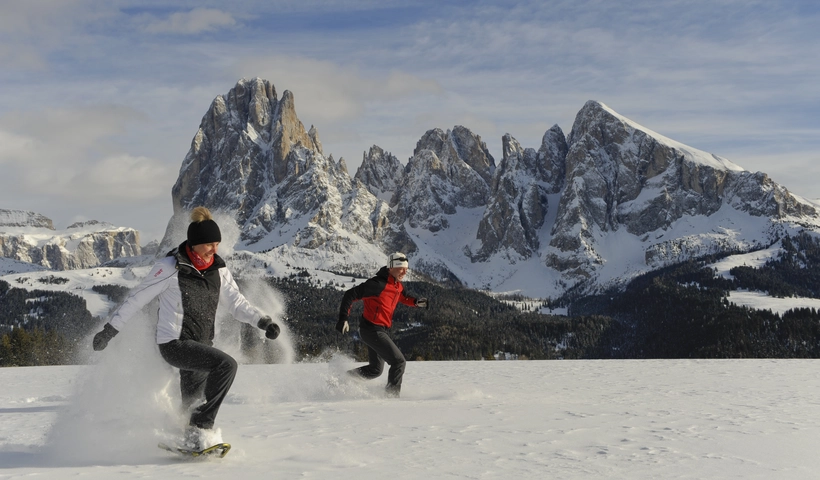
column 237, row 304
column 152, row 285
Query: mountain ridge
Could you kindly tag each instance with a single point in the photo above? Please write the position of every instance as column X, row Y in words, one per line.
column 548, row 216
column 30, row 237
column 595, row 207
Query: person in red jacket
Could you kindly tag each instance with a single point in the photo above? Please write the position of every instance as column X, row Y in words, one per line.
column 380, row 295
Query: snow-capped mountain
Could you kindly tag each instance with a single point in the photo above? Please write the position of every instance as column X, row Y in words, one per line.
column 448, row 171
column 23, row 219
column 253, row 162
column 31, row 237
column 610, row 200
column 624, row 177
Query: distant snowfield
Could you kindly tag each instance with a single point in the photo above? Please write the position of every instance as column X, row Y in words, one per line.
column 620, row 419
column 760, row 300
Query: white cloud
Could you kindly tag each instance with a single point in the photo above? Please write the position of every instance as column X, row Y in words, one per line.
column 14, row 147
column 71, row 156
column 21, row 57
column 327, row 91
column 198, row 20
column 123, row 177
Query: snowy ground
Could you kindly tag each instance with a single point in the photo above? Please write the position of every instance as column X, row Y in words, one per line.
column 667, row 419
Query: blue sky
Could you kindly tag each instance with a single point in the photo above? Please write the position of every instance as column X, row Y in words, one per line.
column 100, row 99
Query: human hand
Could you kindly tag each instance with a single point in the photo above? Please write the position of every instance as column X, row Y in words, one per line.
column 102, row 338
column 271, row 329
column 342, row 326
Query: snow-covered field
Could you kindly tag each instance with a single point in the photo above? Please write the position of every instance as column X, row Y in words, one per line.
column 667, row 419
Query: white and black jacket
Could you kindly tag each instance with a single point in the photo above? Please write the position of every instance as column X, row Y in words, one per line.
column 187, row 299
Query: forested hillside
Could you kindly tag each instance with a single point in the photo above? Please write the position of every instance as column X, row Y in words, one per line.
column 677, row 312
column 460, row 324
column 683, row 311
column 40, row 327
column 794, row 273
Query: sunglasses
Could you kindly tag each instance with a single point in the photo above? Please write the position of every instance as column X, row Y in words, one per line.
column 399, row 259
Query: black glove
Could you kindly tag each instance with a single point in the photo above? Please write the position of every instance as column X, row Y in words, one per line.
column 422, row 303
column 102, row 338
column 342, row 326
column 271, row 329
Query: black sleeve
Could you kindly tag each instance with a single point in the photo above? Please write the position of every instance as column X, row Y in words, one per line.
column 370, row 288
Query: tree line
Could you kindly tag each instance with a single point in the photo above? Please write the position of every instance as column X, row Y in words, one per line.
column 680, row 311
column 460, row 324
column 41, row 327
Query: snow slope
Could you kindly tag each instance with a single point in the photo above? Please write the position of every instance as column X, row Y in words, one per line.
column 691, row 153
column 745, row 419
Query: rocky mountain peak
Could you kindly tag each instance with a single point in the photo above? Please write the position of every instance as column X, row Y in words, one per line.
column 247, row 141
column 473, row 151
column 23, row 218
column 288, row 134
column 458, row 145
column 252, row 161
column 90, row 223
column 381, row 172
column 342, row 165
column 552, row 158
column 621, row 175
column 440, row 177
column 519, row 202
column 260, row 98
column 314, row 138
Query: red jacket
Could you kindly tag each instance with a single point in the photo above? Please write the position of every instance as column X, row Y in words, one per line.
column 380, row 294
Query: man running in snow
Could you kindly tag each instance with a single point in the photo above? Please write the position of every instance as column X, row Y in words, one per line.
column 380, row 294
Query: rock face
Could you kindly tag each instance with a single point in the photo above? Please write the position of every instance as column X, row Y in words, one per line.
column 253, row 160
column 248, row 140
column 381, row 172
column 82, row 245
column 447, row 171
column 519, row 204
column 557, row 208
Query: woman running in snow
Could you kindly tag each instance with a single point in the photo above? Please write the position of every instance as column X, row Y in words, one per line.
column 190, row 282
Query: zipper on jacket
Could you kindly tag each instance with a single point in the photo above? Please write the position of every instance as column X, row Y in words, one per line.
column 189, row 265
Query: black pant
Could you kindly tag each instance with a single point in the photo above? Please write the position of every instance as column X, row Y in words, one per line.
column 202, row 369
column 380, row 349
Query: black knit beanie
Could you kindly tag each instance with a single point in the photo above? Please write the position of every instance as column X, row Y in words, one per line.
column 206, row 231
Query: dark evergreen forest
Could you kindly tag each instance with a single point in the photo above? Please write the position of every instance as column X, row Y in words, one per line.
column 683, row 311
column 41, row 327
column 460, row 324
column 680, row 311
